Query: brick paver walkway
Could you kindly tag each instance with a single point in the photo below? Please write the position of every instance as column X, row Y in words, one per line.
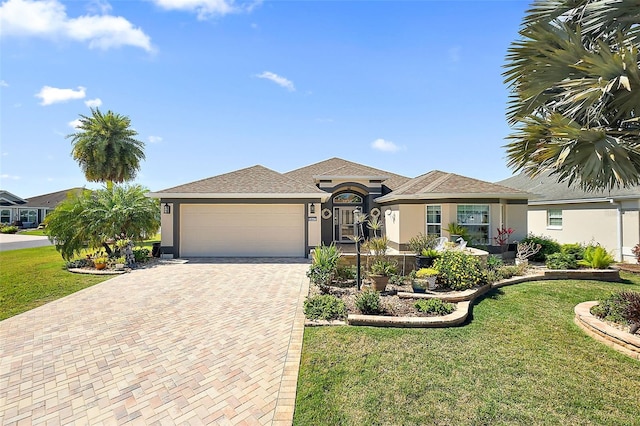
column 198, row 343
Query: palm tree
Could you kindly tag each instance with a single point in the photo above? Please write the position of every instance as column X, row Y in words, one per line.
column 105, row 148
column 575, row 102
column 93, row 217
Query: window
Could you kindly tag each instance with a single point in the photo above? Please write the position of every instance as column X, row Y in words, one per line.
column 28, row 215
column 5, row 216
column 434, row 221
column 554, row 218
column 475, row 218
column 347, row 198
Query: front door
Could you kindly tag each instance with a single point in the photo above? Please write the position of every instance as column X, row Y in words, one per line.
column 344, row 225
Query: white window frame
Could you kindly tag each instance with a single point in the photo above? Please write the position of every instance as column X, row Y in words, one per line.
column 5, row 210
column 475, row 223
column 554, row 214
column 439, row 224
column 28, row 211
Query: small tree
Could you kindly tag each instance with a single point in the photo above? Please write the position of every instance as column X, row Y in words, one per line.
column 94, row 217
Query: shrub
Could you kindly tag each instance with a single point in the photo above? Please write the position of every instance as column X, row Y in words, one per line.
column 561, row 261
column 324, row 307
column 422, row 242
column 384, row 267
column 632, row 310
column 141, row 254
column 596, row 257
column 549, row 246
column 369, row 302
column 324, row 264
column 78, row 263
column 434, row 306
column 396, row 279
column 458, row 270
column 8, row 229
column 494, row 262
column 611, row 309
column 576, row 250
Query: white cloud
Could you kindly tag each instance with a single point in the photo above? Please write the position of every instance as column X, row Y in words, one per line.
column 4, row 83
column 279, row 80
column 93, row 103
column 383, row 145
column 48, row 19
column 10, row 177
column 206, row 9
column 75, row 123
column 99, row 7
column 51, row 95
column 155, row 139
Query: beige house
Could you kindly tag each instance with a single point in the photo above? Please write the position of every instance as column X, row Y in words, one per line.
column 260, row 212
column 30, row 212
column 571, row 215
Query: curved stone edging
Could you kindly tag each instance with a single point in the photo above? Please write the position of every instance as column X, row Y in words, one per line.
column 452, row 296
column 455, row 318
column 95, row 272
column 625, row 343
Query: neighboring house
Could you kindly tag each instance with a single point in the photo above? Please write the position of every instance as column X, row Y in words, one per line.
column 259, row 212
column 571, row 215
column 30, row 212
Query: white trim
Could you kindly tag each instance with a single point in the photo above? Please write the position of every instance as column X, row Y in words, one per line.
column 426, row 218
column 439, row 196
column 584, row 200
column 235, row 195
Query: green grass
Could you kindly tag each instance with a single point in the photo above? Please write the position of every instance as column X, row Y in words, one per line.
column 37, row 232
column 32, row 277
column 520, row 360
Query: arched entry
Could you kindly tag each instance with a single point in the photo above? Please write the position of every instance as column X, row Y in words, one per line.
column 344, row 204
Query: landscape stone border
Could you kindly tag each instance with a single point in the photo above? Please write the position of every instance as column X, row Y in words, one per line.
column 465, row 298
column 626, row 343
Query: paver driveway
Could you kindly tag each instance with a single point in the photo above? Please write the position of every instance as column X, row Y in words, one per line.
column 203, row 342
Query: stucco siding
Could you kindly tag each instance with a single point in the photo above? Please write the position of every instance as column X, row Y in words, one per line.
column 166, row 223
column 413, row 221
column 391, row 217
column 517, row 220
column 315, row 226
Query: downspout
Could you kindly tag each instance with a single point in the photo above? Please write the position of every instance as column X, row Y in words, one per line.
column 619, row 228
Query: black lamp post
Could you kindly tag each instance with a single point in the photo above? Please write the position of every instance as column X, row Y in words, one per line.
column 357, row 218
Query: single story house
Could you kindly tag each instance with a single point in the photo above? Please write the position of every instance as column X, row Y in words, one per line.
column 260, row 212
column 569, row 214
column 29, row 212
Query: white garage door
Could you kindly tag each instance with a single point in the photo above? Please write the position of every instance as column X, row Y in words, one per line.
column 242, row 230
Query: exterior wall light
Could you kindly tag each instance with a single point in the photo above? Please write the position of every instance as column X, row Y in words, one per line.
column 312, row 208
column 167, row 208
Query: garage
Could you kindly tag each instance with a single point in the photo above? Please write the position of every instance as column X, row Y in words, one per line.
column 242, row 230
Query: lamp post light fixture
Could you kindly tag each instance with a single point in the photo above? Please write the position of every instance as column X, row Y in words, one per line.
column 357, row 219
column 167, row 208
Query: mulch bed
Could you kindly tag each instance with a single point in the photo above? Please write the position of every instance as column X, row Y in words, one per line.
column 391, row 303
column 629, row 267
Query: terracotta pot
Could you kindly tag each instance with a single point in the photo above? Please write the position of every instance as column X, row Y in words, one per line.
column 100, row 265
column 379, row 282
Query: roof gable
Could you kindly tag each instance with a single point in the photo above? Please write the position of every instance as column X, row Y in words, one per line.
column 438, row 184
column 52, row 199
column 9, row 199
column 546, row 187
column 251, row 180
column 334, row 167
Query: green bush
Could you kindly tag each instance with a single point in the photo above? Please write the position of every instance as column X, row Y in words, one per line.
column 596, row 257
column 326, row 307
column 369, row 302
column 459, row 271
column 78, row 263
column 141, row 254
column 346, row 273
column 549, row 246
column 422, row 242
column 434, row 306
column 9, row 229
column 611, row 309
column 324, row 264
column 576, row 250
column 494, row 262
column 561, row 261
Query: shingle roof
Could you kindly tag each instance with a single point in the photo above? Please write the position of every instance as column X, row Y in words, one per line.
column 9, row 199
column 339, row 167
column 251, row 180
column 438, row 184
column 50, row 200
column 546, row 188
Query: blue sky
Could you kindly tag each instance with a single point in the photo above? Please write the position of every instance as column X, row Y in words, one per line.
column 212, row 86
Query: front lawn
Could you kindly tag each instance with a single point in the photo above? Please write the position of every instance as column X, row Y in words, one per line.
column 32, row 277
column 520, row 360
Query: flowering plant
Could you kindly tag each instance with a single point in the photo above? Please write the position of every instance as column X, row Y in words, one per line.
column 502, row 239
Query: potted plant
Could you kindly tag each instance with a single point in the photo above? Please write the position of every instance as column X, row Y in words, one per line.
column 120, row 262
column 381, row 270
column 423, row 279
column 428, row 256
column 100, row 262
column 457, row 231
column 419, row 243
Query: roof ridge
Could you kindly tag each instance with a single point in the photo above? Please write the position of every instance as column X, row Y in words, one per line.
column 438, row 181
